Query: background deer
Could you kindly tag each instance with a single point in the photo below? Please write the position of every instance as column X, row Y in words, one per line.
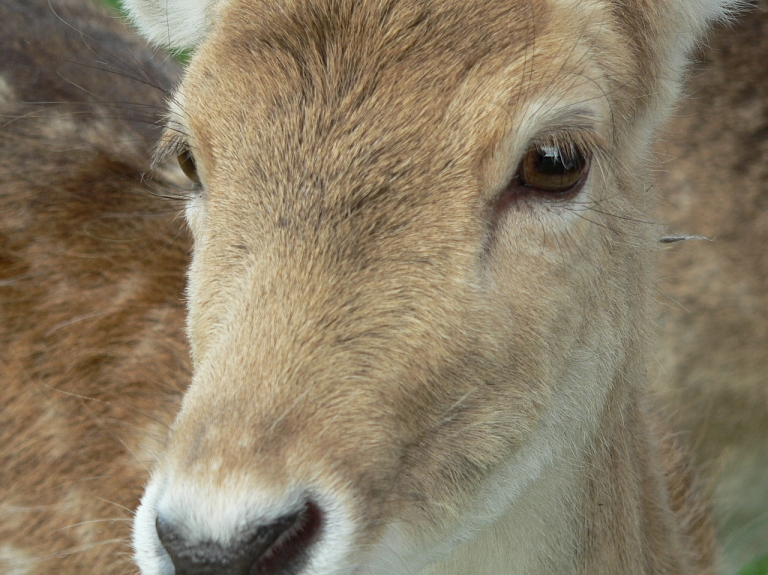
column 420, row 295
column 710, row 367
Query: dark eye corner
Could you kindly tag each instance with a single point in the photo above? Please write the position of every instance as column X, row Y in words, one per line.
column 188, row 165
column 175, row 142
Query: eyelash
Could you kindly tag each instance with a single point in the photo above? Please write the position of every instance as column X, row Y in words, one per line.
column 566, row 147
column 171, row 144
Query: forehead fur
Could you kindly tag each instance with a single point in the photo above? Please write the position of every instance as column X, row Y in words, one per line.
column 384, row 78
column 338, row 64
column 185, row 23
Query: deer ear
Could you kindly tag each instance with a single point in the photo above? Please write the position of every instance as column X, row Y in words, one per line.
column 685, row 22
column 174, row 24
column 666, row 32
column 697, row 15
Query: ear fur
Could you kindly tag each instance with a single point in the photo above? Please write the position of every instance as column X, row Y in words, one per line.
column 698, row 15
column 174, row 24
column 681, row 25
column 712, row 10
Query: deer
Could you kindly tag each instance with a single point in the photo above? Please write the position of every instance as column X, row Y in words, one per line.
column 419, row 299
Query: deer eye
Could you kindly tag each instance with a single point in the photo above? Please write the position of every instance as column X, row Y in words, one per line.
column 552, row 169
column 188, row 166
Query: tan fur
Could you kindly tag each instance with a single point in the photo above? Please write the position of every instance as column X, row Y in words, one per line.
column 365, row 321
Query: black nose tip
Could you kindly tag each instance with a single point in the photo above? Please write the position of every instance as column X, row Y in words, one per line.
column 260, row 550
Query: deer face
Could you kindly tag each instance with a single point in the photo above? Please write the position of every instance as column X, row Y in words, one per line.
column 419, row 274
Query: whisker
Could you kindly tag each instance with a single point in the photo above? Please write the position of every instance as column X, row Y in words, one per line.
column 92, row 521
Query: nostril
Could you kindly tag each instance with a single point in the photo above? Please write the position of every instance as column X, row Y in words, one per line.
column 290, row 548
column 261, row 550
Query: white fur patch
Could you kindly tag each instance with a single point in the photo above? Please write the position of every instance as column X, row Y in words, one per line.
column 696, row 16
column 13, row 561
column 6, row 93
column 175, row 24
column 709, row 10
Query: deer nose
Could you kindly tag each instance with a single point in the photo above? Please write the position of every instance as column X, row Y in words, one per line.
column 264, row 549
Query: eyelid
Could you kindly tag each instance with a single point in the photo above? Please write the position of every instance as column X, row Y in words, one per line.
column 564, row 137
column 172, row 143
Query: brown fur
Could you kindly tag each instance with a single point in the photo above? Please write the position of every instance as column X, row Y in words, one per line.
column 346, row 253
column 711, row 364
column 93, row 353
